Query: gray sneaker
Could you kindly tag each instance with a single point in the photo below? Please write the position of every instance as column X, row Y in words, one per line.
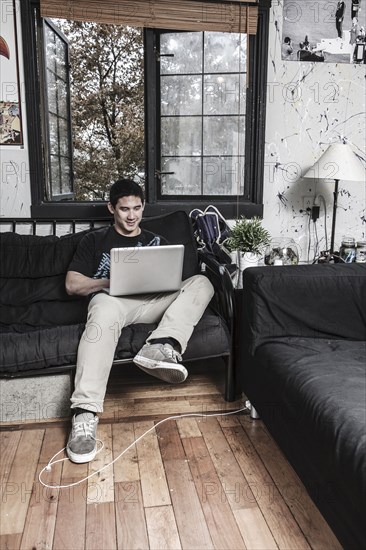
column 161, row 361
column 82, row 444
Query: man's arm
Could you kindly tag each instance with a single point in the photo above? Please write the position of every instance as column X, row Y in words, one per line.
column 79, row 284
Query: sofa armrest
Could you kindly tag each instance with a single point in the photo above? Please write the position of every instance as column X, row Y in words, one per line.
column 310, row 301
column 223, row 284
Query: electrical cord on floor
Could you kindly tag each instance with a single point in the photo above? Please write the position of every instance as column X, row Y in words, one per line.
column 51, row 462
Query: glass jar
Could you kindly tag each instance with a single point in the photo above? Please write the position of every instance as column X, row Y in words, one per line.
column 347, row 251
column 361, row 252
column 282, row 251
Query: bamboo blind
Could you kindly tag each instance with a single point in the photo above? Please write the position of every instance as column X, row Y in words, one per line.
column 187, row 15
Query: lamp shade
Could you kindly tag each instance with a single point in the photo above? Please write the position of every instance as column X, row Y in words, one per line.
column 338, row 162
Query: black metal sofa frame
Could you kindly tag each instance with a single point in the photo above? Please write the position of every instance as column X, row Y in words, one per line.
column 25, row 266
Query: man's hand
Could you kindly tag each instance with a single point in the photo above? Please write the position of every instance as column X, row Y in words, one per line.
column 79, row 284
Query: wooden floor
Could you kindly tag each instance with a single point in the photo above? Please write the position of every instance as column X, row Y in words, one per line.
column 191, row 483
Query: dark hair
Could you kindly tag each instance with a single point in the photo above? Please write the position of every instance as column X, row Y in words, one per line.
column 125, row 188
column 287, row 40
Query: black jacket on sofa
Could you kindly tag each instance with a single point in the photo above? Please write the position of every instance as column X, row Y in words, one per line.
column 303, row 367
column 40, row 325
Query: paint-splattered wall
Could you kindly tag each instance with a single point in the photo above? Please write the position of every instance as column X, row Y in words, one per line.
column 310, row 105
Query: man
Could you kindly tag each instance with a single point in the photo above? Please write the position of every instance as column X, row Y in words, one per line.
column 339, row 15
column 176, row 312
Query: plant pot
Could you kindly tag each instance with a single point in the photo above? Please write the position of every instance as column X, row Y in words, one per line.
column 246, row 259
column 234, row 255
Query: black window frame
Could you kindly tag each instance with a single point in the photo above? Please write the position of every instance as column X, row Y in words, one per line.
column 48, row 190
column 153, row 55
column 255, row 133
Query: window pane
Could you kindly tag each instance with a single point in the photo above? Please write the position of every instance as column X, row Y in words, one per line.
column 223, row 135
column 181, row 95
column 50, row 48
column 62, row 96
column 60, row 175
column 61, row 58
column 59, row 137
column 65, row 175
column 64, row 142
column 223, row 175
column 55, row 174
column 185, row 179
column 184, row 51
column 224, row 52
column 181, row 136
column 224, row 94
column 51, row 92
column 53, row 134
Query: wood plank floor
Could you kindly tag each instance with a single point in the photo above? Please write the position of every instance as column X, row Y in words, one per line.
column 191, row 483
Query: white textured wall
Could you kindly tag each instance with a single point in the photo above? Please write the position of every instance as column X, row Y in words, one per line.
column 310, row 105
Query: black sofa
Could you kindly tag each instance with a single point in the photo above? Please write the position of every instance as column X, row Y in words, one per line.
column 303, row 368
column 40, row 325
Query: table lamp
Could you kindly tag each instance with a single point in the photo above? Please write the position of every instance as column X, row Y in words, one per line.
column 338, row 162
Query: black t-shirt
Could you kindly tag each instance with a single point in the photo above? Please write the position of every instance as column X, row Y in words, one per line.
column 92, row 256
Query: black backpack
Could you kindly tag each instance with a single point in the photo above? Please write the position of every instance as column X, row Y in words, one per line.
column 211, row 231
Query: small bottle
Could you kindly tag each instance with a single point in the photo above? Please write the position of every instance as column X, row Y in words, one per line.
column 347, row 251
column 361, row 252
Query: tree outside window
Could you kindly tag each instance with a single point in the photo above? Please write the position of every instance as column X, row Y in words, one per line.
column 107, row 105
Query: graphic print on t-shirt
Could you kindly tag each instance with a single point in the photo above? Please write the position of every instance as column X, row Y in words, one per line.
column 104, row 267
column 105, row 261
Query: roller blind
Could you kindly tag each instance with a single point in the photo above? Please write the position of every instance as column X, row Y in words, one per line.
column 187, row 15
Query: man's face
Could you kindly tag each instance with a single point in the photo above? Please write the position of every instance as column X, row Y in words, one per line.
column 127, row 215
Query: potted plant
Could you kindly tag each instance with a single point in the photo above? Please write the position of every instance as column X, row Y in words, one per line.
column 248, row 239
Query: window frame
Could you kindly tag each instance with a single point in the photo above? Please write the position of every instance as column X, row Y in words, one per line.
column 254, row 143
column 48, row 190
column 154, row 56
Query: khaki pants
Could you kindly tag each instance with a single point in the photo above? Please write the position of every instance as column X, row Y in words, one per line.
column 177, row 314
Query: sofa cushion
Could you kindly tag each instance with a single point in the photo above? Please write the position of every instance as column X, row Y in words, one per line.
column 318, row 386
column 32, row 281
column 35, row 256
column 314, row 301
column 25, row 348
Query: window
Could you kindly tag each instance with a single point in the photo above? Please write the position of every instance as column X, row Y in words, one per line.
column 202, row 114
column 56, row 114
column 204, row 120
column 107, row 105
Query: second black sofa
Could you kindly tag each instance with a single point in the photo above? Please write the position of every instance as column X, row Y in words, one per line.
column 304, row 370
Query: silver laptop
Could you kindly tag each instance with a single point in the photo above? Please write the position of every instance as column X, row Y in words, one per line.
column 146, row 269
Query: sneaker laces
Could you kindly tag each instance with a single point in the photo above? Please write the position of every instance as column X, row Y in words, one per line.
column 171, row 353
column 84, row 428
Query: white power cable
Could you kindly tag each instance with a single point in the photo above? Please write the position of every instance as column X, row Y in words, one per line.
column 48, row 468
